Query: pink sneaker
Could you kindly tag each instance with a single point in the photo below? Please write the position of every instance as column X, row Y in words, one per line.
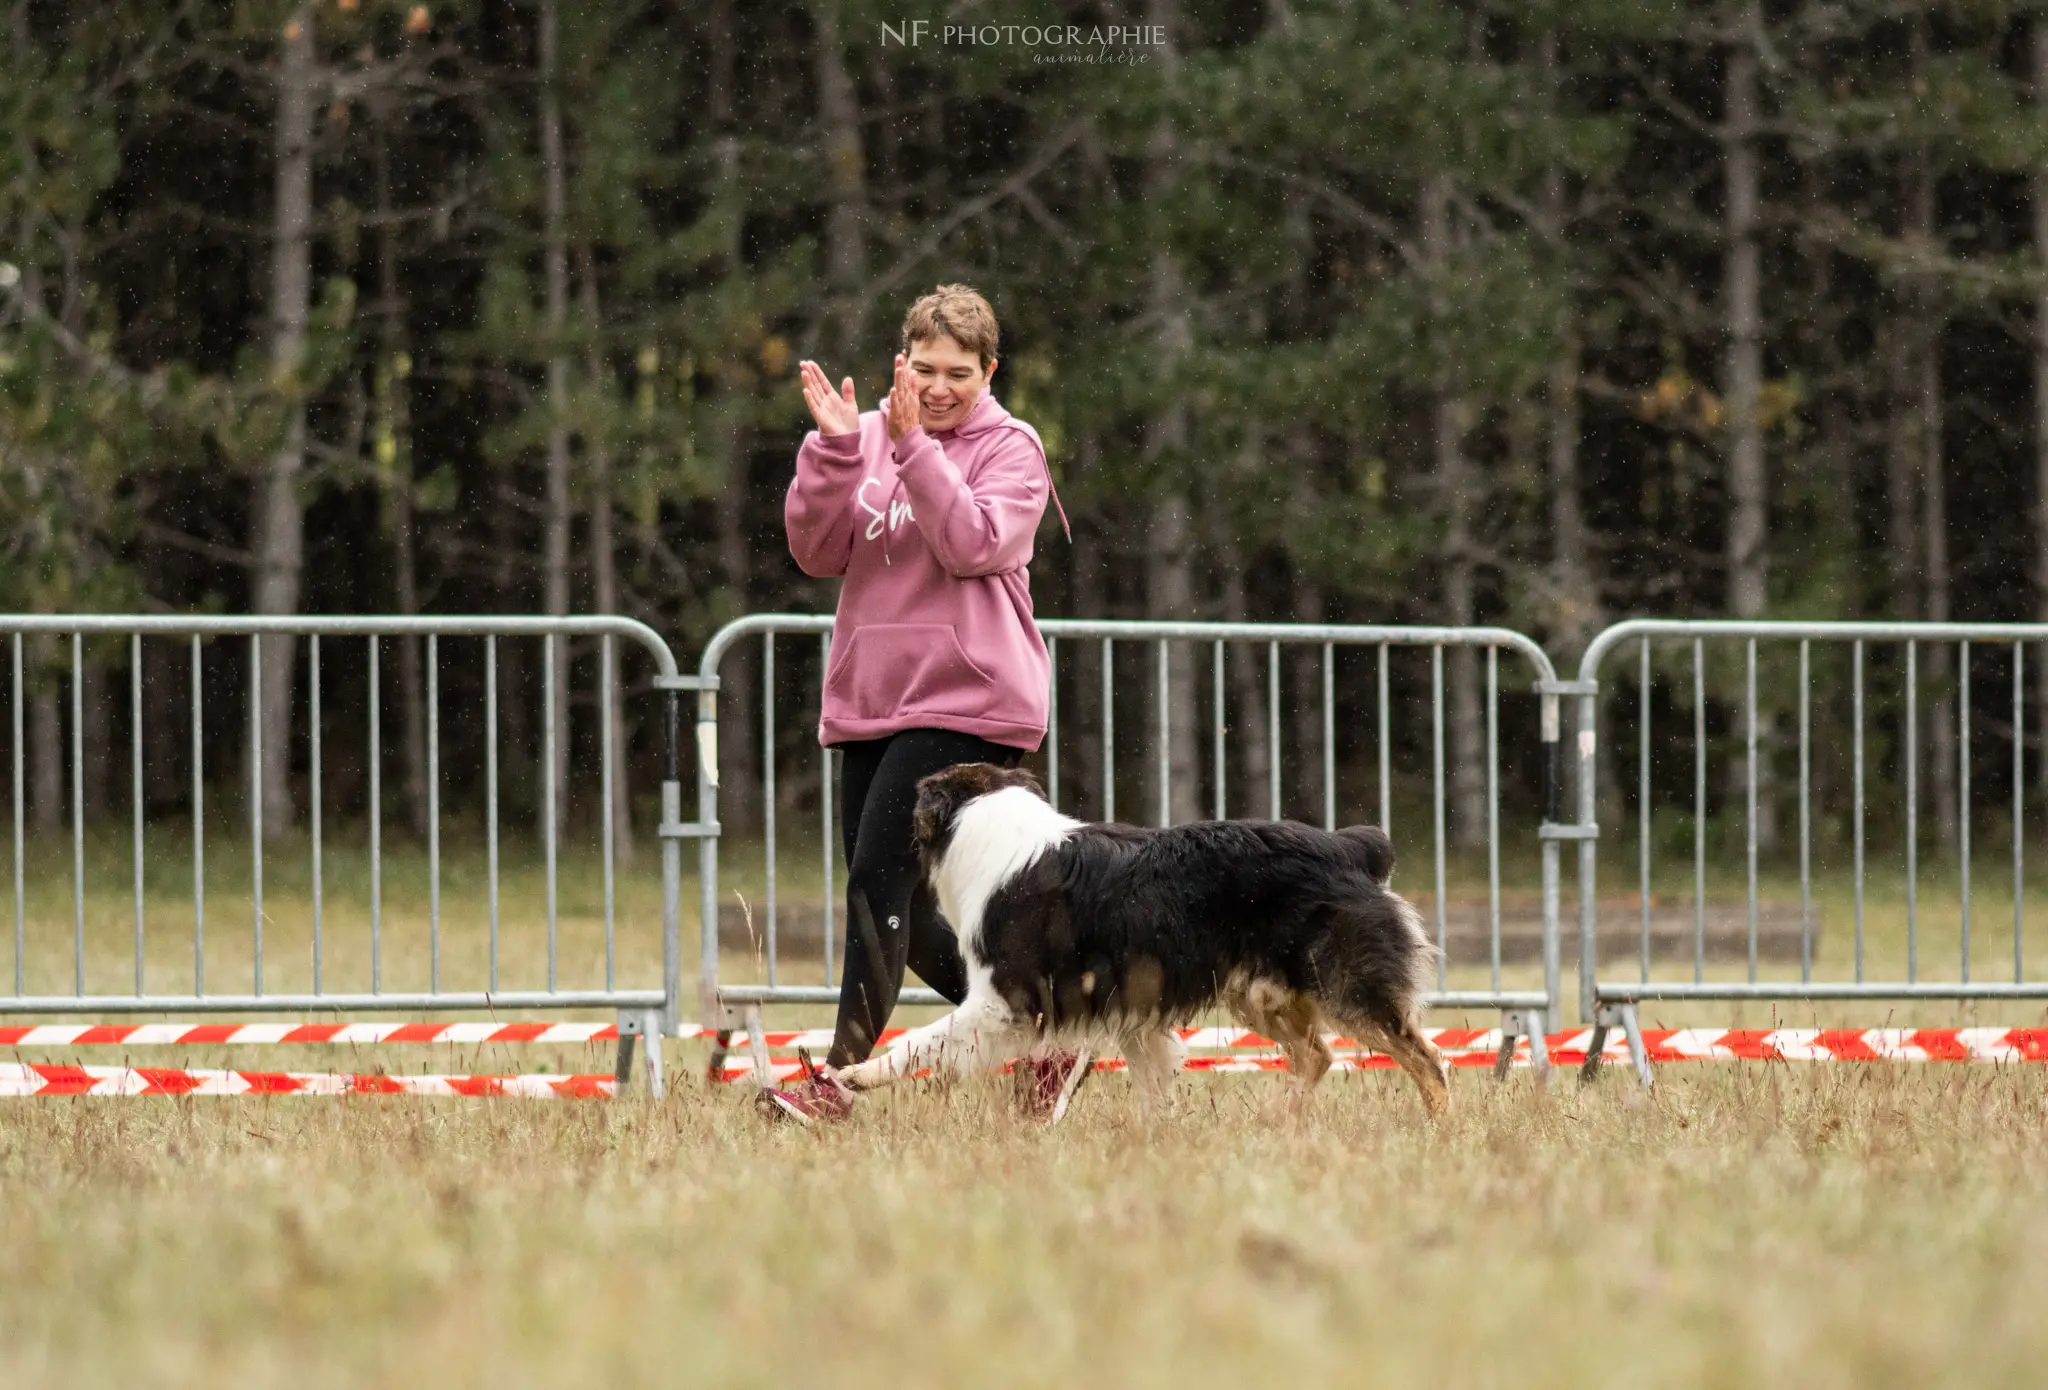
column 820, row 1095
column 1046, row 1084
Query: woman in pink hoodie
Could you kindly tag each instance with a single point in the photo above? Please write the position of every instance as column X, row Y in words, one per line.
column 926, row 508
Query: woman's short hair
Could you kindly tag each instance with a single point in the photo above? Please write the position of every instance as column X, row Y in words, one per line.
column 957, row 312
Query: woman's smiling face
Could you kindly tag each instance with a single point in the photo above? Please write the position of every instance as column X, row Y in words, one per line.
column 949, row 381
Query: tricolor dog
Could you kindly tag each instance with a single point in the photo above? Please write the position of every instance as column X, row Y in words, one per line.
column 1116, row 934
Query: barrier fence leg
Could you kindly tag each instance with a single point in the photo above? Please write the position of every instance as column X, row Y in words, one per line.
column 1516, row 1024
column 650, row 1040
column 1622, row 1016
column 757, row 1046
column 1536, row 1023
column 1632, row 1030
column 721, row 1048
column 1510, row 1033
column 629, row 1029
column 1595, row 1046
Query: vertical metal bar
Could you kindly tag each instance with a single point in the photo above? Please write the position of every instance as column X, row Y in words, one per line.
column 1912, row 811
column 1750, row 829
column 825, row 808
column 1589, row 868
column 1329, row 736
column 198, row 822
column 605, row 735
column 1699, row 811
column 1493, row 807
column 313, row 692
column 20, row 896
column 2019, row 799
column 550, row 794
column 1805, row 812
column 1217, row 753
column 376, row 825
column 1165, row 742
column 135, row 784
column 491, row 794
column 78, row 810
column 1386, row 764
column 1436, row 710
column 256, row 801
column 768, row 788
column 1052, row 720
column 1963, row 785
column 1643, row 798
column 1273, row 730
column 434, row 813
column 1856, row 678
column 1108, row 730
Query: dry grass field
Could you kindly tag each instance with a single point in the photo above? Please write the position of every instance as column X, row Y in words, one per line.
column 1815, row 1226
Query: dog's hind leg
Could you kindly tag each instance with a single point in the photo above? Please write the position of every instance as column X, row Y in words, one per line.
column 1295, row 1022
column 1416, row 1055
column 1298, row 1027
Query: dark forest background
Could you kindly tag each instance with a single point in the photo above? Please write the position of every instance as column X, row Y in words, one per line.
column 1540, row 314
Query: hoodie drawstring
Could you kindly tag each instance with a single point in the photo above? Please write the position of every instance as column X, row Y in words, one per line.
column 889, row 512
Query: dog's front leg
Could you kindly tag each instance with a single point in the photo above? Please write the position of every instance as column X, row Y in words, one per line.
column 980, row 1035
column 1155, row 1057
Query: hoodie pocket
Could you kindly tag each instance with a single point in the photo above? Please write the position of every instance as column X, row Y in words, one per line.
column 896, row 668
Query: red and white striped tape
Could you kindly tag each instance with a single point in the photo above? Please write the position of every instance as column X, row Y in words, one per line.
column 192, row 1034
column 45, row 1079
column 1476, row 1047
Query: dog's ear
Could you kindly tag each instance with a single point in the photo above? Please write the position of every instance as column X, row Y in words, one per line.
column 940, row 797
column 933, row 814
column 1023, row 777
column 1373, row 849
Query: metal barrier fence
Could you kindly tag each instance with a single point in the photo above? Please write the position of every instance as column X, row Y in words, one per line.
column 1524, row 1011
column 650, row 1009
column 1607, row 1002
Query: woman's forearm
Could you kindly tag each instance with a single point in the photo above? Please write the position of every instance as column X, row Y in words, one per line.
column 817, row 512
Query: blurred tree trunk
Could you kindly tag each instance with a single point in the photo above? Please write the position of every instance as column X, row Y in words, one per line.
column 1089, row 602
column 1576, row 612
column 1458, row 495
column 391, row 442
column 166, row 677
column 1170, row 583
column 741, row 781
column 45, row 734
column 1576, row 602
column 1901, row 476
column 279, row 542
column 510, row 545
column 1244, row 671
column 559, row 516
column 604, row 569
column 839, row 120
column 1923, row 300
column 1748, row 557
column 2038, row 192
column 96, row 711
column 1303, row 745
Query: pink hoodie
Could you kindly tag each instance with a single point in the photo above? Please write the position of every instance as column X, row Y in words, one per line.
column 932, row 535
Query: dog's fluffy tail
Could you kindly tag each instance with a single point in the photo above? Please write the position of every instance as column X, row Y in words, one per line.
column 1422, row 956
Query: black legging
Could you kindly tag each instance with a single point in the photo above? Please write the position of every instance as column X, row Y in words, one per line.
column 892, row 919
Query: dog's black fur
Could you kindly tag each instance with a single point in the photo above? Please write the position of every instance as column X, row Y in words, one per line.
column 1137, row 929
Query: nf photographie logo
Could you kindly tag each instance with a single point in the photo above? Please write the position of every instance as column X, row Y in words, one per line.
column 1051, row 43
